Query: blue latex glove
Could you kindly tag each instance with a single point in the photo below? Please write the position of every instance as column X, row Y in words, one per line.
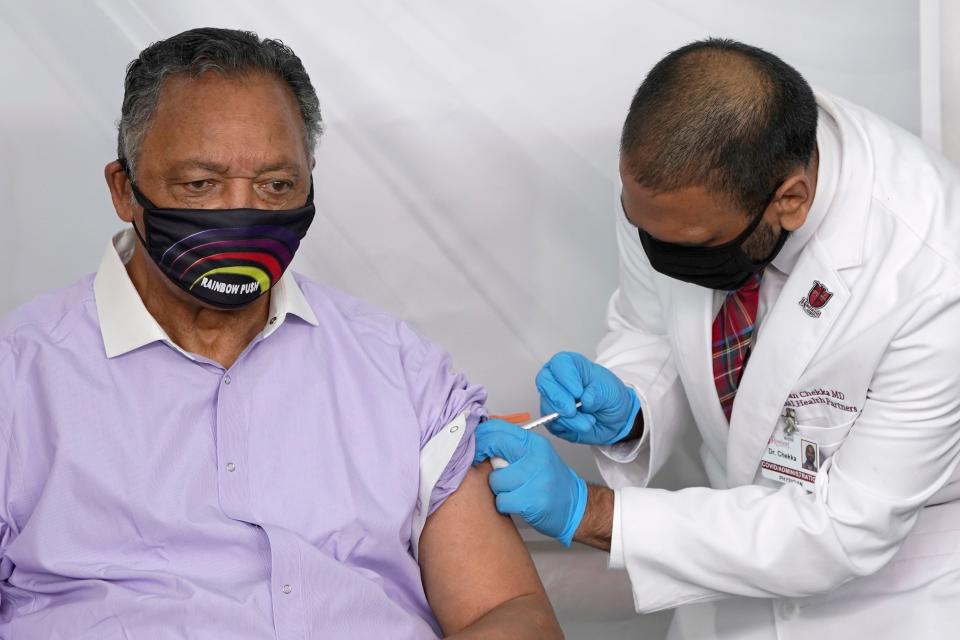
column 538, row 485
column 609, row 406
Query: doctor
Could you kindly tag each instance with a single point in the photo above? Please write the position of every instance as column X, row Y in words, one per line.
column 789, row 278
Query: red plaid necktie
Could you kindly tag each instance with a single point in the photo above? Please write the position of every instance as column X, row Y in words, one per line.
column 732, row 333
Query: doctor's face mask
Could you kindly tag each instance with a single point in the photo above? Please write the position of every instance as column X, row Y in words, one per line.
column 225, row 258
column 726, row 266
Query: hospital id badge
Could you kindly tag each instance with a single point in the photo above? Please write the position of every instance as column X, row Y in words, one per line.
column 790, row 458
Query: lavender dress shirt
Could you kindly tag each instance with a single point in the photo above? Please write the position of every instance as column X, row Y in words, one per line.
column 146, row 492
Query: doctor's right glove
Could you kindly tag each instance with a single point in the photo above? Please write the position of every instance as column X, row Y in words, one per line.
column 609, row 408
column 537, row 485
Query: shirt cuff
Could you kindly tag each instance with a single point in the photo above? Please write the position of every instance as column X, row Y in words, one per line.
column 617, row 559
column 628, row 450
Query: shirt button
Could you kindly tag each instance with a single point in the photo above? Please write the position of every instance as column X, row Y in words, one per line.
column 286, row 588
column 273, row 320
column 789, row 610
column 231, row 467
column 226, row 379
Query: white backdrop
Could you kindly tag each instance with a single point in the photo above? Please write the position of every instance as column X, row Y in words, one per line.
column 949, row 22
column 467, row 180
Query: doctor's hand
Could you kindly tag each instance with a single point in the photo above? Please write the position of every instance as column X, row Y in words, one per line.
column 537, row 485
column 609, row 407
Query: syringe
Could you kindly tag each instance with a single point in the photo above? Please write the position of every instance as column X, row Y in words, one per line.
column 500, row 463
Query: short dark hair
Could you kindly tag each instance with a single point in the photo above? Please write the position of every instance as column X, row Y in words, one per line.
column 723, row 115
column 195, row 52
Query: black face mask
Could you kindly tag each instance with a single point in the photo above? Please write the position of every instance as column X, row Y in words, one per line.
column 226, row 258
column 724, row 266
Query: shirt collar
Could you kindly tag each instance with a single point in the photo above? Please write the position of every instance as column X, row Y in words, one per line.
column 286, row 298
column 125, row 323
column 828, row 175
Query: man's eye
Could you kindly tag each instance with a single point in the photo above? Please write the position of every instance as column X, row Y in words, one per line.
column 198, row 185
column 279, row 186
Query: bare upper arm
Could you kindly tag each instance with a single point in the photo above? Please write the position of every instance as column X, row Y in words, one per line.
column 472, row 558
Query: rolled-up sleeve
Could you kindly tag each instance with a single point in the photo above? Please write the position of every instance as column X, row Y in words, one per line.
column 7, row 459
column 439, row 394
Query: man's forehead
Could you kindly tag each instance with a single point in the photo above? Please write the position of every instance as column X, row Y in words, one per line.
column 230, row 125
column 217, row 95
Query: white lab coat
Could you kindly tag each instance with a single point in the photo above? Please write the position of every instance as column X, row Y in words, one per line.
column 874, row 551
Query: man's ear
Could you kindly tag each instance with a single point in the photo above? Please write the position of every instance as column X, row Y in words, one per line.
column 793, row 200
column 120, row 192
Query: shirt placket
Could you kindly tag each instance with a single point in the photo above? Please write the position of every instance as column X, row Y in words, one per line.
column 233, row 480
column 233, row 472
column 286, row 585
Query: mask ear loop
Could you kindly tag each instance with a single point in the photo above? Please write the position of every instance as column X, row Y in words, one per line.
column 141, row 199
column 746, row 233
column 309, row 195
column 784, row 234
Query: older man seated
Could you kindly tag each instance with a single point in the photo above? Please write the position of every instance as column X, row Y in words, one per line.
column 195, row 443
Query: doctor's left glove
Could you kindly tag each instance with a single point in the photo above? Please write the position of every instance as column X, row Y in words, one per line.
column 609, row 407
column 537, row 485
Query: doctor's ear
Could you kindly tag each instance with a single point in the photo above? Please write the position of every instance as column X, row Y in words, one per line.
column 793, row 199
column 120, row 192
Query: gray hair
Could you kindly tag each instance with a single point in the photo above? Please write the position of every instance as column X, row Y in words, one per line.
column 195, row 52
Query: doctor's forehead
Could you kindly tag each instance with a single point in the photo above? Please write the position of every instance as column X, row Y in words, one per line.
column 688, row 215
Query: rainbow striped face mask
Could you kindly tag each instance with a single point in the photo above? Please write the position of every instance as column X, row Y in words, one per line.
column 226, row 258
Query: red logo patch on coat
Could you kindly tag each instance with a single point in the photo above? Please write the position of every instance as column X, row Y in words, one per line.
column 816, row 299
column 819, row 295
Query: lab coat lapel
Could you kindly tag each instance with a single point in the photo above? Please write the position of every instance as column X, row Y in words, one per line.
column 787, row 340
column 692, row 318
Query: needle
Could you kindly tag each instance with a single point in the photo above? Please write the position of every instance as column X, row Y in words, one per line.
column 547, row 419
column 500, row 463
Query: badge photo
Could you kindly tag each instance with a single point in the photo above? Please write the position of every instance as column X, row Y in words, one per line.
column 811, row 455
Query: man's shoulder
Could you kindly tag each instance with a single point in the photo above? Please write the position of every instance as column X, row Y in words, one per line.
column 50, row 316
column 333, row 306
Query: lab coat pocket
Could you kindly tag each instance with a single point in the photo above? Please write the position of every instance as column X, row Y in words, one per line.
column 828, row 437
